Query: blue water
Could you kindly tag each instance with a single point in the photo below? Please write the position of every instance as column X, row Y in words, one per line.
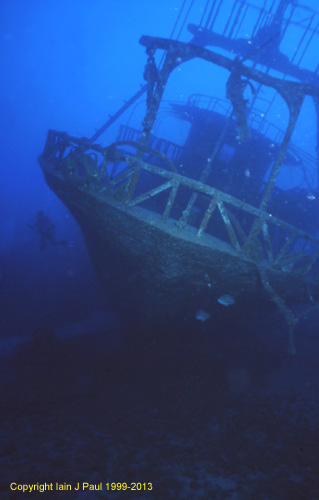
column 223, row 413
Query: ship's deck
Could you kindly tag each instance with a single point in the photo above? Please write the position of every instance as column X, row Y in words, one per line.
column 162, row 263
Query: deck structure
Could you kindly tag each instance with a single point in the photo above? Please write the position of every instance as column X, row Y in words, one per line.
column 170, row 243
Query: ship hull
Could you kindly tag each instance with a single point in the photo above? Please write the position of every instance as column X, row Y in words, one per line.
column 153, row 274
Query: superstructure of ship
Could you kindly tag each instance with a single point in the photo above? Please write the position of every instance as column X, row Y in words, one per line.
column 171, row 228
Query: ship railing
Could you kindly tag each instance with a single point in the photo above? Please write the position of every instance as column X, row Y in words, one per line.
column 210, row 103
column 111, row 172
column 256, row 117
column 302, row 19
column 168, row 148
column 261, row 242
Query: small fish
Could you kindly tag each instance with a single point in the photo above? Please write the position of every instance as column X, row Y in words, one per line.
column 226, row 300
column 311, row 197
column 202, row 315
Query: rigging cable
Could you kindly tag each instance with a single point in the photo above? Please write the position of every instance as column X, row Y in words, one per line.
column 314, row 31
column 178, row 18
column 236, row 20
column 210, row 14
column 216, row 14
column 230, row 17
column 302, row 39
column 172, row 32
column 259, row 19
column 142, row 90
column 204, row 13
column 187, row 14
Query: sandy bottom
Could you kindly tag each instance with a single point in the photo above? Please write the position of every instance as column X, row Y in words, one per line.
column 72, row 413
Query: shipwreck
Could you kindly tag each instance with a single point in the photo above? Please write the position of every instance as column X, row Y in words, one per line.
column 172, row 227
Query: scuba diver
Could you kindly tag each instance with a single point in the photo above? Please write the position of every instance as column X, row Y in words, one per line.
column 45, row 228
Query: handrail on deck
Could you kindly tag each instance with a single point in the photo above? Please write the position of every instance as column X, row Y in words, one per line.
column 78, row 161
column 257, row 246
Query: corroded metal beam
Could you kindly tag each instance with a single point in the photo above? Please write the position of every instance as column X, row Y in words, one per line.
column 292, row 92
column 207, row 216
column 220, row 195
column 293, row 117
column 186, row 51
column 59, row 141
column 149, row 194
column 170, row 200
column 229, row 227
